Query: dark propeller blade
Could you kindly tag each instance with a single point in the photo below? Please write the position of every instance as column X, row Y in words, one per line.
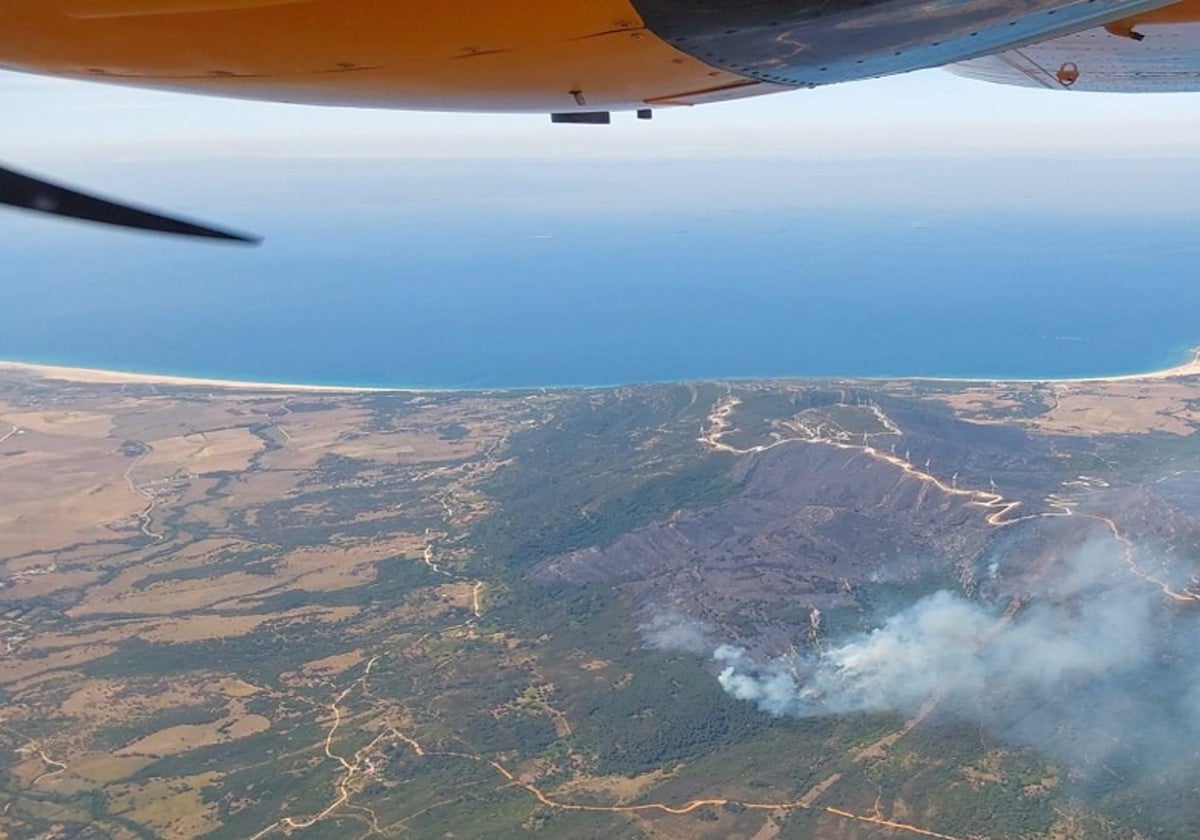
column 17, row 190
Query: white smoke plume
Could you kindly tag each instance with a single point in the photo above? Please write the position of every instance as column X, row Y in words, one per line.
column 670, row 629
column 945, row 643
column 1096, row 668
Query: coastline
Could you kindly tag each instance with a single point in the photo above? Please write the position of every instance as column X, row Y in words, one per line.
column 1191, row 367
column 99, row 376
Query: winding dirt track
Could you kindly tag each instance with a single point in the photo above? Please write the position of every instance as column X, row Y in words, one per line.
column 998, row 506
column 33, row 747
column 361, row 765
column 146, row 515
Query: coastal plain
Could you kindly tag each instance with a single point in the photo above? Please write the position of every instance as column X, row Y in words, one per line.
column 263, row 611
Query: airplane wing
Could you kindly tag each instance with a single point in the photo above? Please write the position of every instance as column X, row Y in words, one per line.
column 1132, row 57
column 575, row 60
column 561, row 57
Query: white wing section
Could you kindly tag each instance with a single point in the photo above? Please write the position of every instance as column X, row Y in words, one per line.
column 1166, row 60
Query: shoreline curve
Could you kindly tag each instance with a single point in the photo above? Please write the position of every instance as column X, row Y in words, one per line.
column 101, row 376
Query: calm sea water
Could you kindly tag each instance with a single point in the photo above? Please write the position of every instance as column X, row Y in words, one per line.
column 500, row 275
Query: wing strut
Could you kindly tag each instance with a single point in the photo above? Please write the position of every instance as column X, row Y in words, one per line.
column 29, row 193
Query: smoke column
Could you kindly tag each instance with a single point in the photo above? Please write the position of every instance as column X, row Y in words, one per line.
column 1095, row 669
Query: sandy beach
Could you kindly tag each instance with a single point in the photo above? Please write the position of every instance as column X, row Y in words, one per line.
column 117, row 377
column 1189, row 368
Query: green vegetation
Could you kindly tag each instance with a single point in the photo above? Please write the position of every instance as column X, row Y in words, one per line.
column 551, row 524
column 669, row 711
column 115, row 737
column 453, row 431
column 259, row 560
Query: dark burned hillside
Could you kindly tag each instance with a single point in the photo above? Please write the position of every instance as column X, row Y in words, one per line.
column 813, row 523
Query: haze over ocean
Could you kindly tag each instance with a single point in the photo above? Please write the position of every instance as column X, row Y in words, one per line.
column 499, row 273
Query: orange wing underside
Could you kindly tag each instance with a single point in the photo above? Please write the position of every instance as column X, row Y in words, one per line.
column 483, row 55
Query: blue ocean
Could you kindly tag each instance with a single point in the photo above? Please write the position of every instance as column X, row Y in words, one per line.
column 486, row 274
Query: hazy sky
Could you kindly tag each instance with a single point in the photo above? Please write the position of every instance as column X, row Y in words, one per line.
column 927, row 114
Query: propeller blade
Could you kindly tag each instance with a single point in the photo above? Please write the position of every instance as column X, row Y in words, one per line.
column 26, row 192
